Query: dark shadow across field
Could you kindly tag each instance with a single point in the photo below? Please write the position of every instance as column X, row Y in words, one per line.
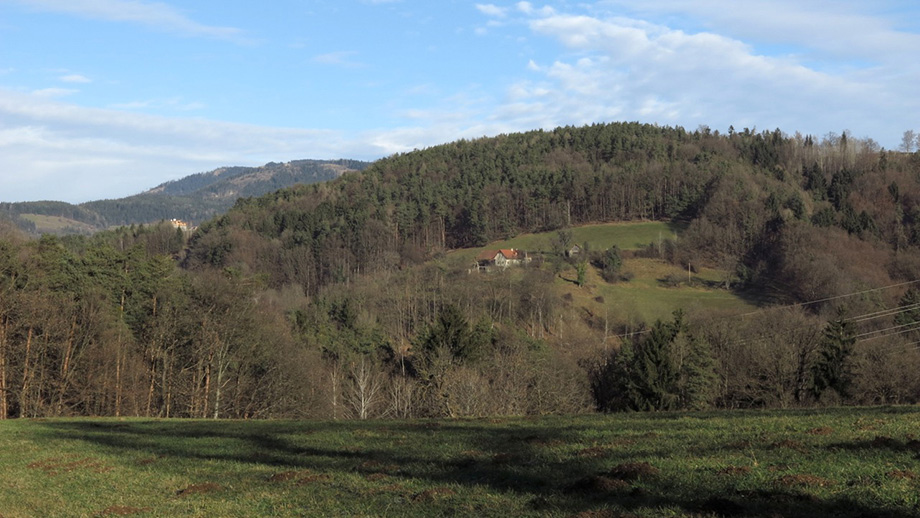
column 502, row 456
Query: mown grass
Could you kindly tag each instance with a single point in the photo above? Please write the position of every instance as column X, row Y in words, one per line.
column 647, row 295
column 626, row 235
column 51, row 224
column 850, row 462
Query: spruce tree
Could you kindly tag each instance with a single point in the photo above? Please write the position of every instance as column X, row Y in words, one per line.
column 833, row 369
column 654, row 376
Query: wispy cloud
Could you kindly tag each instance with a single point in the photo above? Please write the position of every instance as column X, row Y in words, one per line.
column 847, row 29
column 492, row 10
column 41, row 138
column 174, row 103
column 75, row 78
column 53, row 92
column 152, row 14
column 528, row 9
column 615, row 67
column 342, row 58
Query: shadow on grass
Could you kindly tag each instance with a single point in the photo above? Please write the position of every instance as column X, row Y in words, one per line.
column 515, row 456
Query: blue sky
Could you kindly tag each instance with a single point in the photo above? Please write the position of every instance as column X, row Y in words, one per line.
column 106, row 98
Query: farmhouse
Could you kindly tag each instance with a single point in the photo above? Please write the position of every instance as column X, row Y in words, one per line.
column 574, row 251
column 178, row 223
column 501, row 258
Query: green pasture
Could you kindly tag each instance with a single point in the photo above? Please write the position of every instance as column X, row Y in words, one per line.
column 651, row 292
column 655, row 290
column 626, row 235
column 847, row 462
column 52, row 224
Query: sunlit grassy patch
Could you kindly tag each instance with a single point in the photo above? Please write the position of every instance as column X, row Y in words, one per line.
column 601, row 236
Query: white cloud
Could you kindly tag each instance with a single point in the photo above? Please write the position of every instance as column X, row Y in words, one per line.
column 75, row 78
column 340, row 58
column 151, row 14
column 492, row 10
column 53, row 92
column 616, row 68
column 844, row 28
column 528, row 9
column 174, row 103
column 71, row 153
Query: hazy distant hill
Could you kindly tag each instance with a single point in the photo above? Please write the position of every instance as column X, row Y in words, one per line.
column 194, row 198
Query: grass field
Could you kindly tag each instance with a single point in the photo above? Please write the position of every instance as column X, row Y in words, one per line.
column 627, row 236
column 646, row 296
column 856, row 462
column 52, row 224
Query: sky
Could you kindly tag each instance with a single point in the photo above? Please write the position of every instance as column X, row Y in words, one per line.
column 107, row 98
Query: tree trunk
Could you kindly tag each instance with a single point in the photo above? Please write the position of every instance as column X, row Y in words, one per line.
column 167, row 386
column 218, row 385
column 207, row 384
column 24, row 398
column 65, row 364
column 151, row 385
column 4, row 400
column 118, row 379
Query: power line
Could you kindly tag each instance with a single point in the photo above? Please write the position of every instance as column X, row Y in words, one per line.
column 913, row 326
column 857, row 319
column 898, row 285
column 885, row 312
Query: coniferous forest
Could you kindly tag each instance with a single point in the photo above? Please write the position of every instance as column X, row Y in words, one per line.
column 343, row 299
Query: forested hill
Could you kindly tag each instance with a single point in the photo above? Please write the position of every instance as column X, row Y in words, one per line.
column 795, row 260
column 756, row 203
column 195, row 198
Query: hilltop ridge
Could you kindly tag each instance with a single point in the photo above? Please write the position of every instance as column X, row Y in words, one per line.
column 194, row 198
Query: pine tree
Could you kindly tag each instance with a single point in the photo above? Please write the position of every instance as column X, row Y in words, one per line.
column 654, row 374
column 697, row 375
column 581, row 268
column 833, row 369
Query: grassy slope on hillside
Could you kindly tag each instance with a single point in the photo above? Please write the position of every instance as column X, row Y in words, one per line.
column 644, row 298
column 841, row 462
column 648, row 296
column 55, row 224
column 601, row 236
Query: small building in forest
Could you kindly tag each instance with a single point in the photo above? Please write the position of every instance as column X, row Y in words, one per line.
column 178, row 223
column 575, row 251
column 501, row 258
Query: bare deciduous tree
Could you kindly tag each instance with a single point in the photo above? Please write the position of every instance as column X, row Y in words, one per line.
column 908, row 141
column 364, row 394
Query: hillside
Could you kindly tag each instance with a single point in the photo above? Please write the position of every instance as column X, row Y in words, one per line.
column 194, row 199
column 747, row 199
column 747, row 270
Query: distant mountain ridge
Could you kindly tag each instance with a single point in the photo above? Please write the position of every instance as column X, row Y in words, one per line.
column 194, row 198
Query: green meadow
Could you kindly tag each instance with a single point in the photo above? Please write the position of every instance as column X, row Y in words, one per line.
column 655, row 289
column 847, row 462
column 601, row 236
column 53, row 224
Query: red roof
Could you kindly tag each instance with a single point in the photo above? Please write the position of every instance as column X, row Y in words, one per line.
column 489, row 255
